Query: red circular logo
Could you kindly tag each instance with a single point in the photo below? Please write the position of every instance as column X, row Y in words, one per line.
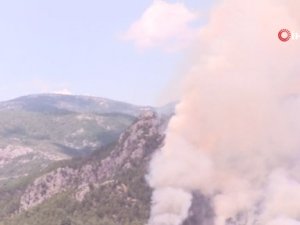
column 284, row 35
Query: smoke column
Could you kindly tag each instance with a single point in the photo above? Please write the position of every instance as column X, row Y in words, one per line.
column 236, row 133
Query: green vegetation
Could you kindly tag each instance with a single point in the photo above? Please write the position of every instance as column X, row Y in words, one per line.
column 10, row 191
column 117, row 191
column 122, row 201
column 39, row 130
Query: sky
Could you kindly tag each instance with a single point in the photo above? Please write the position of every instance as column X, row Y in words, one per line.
column 123, row 50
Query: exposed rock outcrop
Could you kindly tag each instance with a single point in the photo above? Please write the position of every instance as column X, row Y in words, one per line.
column 134, row 147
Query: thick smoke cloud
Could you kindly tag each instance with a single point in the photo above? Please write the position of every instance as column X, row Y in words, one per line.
column 235, row 136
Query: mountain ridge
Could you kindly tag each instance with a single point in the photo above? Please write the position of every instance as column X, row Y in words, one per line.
column 120, row 173
column 46, row 136
column 36, row 130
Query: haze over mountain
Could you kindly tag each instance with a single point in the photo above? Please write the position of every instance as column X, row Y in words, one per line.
column 77, row 160
column 36, row 130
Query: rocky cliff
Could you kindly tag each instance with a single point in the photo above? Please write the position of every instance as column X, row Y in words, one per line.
column 119, row 170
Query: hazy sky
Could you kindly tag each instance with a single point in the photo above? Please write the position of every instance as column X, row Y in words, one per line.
column 124, row 50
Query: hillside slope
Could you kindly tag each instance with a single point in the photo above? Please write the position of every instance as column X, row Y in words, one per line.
column 108, row 187
column 37, row 130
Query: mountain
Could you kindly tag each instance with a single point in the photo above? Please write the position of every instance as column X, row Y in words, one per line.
column 71, row 160
column 107, row 187
column 64, row 104
column 37, row 130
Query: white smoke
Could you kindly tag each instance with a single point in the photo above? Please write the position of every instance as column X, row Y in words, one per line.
column 235, row 136
column 176, row 212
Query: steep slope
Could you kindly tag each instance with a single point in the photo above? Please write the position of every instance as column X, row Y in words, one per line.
column 108, row 187
column 39, row 129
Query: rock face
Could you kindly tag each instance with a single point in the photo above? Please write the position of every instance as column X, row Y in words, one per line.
column 134, row 147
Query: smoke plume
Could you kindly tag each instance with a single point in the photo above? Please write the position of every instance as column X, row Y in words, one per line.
column 235, row 135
